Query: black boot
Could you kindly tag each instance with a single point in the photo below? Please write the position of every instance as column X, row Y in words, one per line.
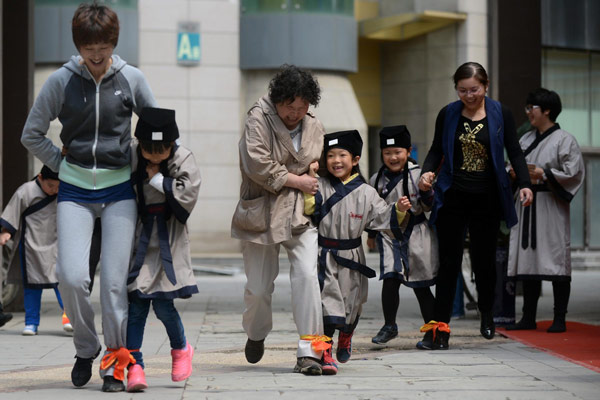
column 487, row 328
column 441, row 340
column 526, row 323
column 4, row 317
column 427, row 342
column 559, row 324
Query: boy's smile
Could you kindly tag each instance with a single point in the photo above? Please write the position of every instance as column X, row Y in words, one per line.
column 340, row 163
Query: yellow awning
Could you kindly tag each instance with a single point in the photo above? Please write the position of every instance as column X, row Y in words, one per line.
column 406, row 26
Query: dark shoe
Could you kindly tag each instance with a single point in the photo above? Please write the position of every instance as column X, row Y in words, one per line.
column 559, row 325
column 427, row 342
column 4, row 318
column 112, row 385
column 522, row 325
column 385, row 334
column 344, row 348
column 441, row 341
column 82, row 370
column 254, row 350
column 488, row 328
column 308, row 366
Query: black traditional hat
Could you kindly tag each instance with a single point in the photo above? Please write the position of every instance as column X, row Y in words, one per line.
column 348, row 140
column 157, row 125
column 47, row 173
column 394, row 136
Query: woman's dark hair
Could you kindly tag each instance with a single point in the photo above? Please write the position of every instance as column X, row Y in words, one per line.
column 291, row 82
column 547, row 100
column 470, row 70
column 94, row 23
column 155, row 147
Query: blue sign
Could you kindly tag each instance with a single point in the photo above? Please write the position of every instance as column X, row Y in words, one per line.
column 188, row 44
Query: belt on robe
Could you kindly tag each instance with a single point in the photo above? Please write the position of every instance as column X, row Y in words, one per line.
column 154, row 212
column 333, row 245
column 531, row 212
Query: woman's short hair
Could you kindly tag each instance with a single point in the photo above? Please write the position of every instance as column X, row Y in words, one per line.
column 471, row 70
column 94, row 23
column 547, row 100
column 291, row 82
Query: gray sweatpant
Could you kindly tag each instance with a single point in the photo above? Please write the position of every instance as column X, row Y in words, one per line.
column 261, row 264
column 75, row 224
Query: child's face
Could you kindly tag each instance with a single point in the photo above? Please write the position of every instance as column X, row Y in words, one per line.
column 395, row 158
column 340, row 163
column 49, row 186
column 157, row 158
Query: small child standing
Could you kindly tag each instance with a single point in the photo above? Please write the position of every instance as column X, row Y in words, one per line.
column 30, row 220
column 412, row 261
column 343, row 207
column 167, row 181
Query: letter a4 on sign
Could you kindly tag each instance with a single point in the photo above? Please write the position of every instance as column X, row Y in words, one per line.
column 188, row 47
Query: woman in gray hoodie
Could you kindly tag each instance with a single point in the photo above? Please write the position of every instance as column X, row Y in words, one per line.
column 93, row 95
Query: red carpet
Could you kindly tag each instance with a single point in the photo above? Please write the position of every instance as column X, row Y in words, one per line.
column 579, row 344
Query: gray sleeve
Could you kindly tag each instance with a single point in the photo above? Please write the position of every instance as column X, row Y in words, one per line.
column 46, row 108
column 142, row 94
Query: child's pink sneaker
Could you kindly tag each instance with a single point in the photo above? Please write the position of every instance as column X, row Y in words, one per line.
column 182, row 363
column 136, row 379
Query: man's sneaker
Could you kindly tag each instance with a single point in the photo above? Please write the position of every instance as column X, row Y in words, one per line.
column 67, row 327
column 427, row 342
column 112, row 385
column 82, row 370
column 385, row 334
column 4, row 318
column 308, row 366
column 30, row 330
column 181, row 367
column 254, row 350
column 136, row 379
column 329, row 366
column 344, row 348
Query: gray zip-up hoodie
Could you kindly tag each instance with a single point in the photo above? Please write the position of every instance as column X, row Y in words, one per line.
column 96, row 118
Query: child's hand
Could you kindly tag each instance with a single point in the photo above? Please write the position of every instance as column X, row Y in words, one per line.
column 403, row 204
column 152, row 169
column 313, row 168
column 64, row 151
column 371, row 243
column 511, row 173
column 4, row 237
column 426, row 181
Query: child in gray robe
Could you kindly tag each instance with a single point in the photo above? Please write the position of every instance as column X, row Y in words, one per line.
column 343, row 207
column 30, row 220
column 412, row 261
column 167, row 181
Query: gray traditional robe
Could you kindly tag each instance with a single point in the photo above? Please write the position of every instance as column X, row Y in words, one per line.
column 162, row 220
column 540, row 244
column 342, row 270
column 30, row 218
column 415, row 262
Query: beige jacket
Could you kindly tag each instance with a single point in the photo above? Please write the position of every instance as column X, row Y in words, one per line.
column 268, row 211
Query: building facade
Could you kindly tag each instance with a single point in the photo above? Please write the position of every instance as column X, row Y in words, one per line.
column 379, row 62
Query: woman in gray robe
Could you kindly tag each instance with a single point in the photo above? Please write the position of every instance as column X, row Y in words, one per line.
column 540, row 242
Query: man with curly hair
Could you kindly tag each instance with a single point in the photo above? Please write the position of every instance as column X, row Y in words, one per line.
column 279, row 150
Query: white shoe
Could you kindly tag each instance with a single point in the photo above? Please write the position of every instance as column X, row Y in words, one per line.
column 30, row 330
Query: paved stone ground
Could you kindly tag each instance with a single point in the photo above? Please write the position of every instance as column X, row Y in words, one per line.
column 474, row 368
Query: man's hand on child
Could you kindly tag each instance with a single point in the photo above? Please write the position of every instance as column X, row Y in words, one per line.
column 152, row 169
column 403, row 204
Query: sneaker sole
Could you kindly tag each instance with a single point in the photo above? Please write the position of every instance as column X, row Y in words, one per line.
column 29, row 333
column 312, row 370
column 329, row 371
column 138, row 387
